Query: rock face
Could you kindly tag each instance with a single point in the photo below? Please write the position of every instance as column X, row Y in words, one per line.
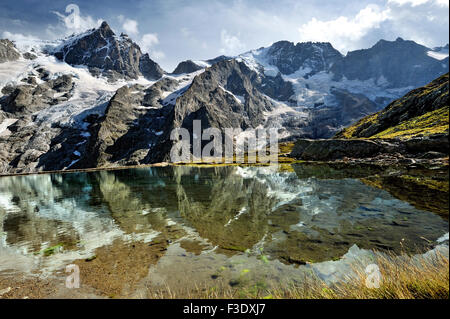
column 105, row 53
column 138, row 121
column 400, row 63
column 188, row 66
column 289, row 57
column 27, row 143
column 8, row 51
column 132, row 125
column 413, row 126
column 337, row 149
column 149, row 68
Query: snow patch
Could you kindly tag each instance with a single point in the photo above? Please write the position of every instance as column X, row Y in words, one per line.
column 4, row 126
column 441, row 55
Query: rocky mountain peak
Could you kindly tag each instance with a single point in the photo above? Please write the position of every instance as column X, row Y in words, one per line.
column 187, row 66
column 105, row 26
column 290, row 57
column 107, row 54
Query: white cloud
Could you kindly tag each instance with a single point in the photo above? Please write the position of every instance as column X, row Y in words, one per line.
column 157, row 55
column 130, row 26
column 230, row 43
column 147, row 43
column 344, row 30
column 415, row 3
column 22, row 41
column 18, row 36
column 74, row 22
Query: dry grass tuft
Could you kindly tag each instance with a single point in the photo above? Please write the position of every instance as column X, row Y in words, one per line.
column 403, row 277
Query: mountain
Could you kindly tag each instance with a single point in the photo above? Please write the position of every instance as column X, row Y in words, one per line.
column 415, row 127
column 94, row 100
column 105, row 53
column 289, row 57
column 399, row 63
column 187, row 66
column 422, row 112
column 190, row 66
column 8, row 51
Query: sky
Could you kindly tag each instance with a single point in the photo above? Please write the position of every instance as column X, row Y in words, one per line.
column 175, row 30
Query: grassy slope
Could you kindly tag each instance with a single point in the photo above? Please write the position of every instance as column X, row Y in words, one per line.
column 435, row 121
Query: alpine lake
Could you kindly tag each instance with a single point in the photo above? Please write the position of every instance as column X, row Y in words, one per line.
column 139, row 231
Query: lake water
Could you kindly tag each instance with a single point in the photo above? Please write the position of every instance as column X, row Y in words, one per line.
column 131, row 231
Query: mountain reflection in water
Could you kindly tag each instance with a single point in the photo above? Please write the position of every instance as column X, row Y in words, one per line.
column 293, row 218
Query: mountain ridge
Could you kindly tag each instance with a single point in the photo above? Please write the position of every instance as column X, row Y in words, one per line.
column 56, row 115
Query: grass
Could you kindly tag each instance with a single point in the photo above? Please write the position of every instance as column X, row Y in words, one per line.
column 284, row 149
column 430, row 123
column 350, row 131
column 434, row 122
column 402, row 277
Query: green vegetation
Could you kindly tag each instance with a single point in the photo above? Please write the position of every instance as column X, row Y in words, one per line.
column 434, row 122
column 350, row 131
column 422, row 112
column 51, row 250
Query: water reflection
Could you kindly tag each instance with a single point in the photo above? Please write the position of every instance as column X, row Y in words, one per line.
column 293, row 218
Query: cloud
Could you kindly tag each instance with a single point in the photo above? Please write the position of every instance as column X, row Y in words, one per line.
column 22, row 41
column 74, row 22
column 415, row 3
column 157, row 55
column 230, row 43
column 149, row 40
column 147, row 43
column 130, row 27
column 344, row 30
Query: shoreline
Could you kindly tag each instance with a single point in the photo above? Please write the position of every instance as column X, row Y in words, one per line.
column 382, row 162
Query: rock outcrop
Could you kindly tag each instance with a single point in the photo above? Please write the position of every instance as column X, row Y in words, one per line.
column 337, row 149
column 8, row 51
column 187, row 66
